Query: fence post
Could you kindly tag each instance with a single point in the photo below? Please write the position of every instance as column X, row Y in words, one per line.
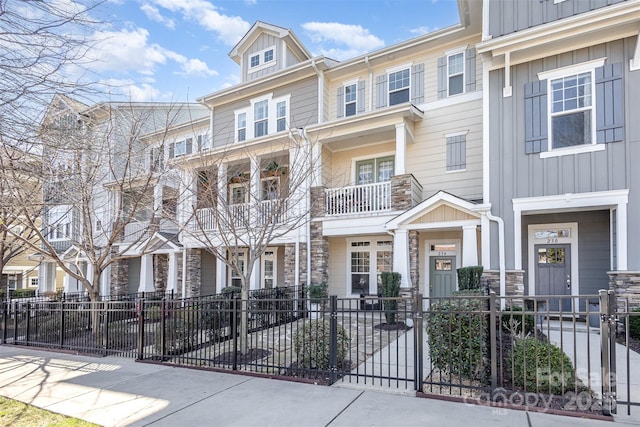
column 418, row 340
column 62, row 322
column 493, row 351
column 608, row 367
column 140, row 313
column 333, row 339
column 5, row 321
column 234, row 331
column 163, row 335
column 28, row 323
column 105, row 327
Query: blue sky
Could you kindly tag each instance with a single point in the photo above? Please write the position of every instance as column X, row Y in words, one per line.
column 177, row 50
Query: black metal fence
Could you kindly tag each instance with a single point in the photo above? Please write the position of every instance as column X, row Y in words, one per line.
column 561, row 352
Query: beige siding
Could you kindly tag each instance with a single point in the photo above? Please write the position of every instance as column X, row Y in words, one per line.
column 426, row 159
column 342, row 172
column 443, row 213
column 337, row 266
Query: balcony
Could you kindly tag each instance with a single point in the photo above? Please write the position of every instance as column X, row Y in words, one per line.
column 358, row 199
column 205, row 219
column 136, row 231
column 273, row 211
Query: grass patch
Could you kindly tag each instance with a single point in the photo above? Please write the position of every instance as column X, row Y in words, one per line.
column 17, row 414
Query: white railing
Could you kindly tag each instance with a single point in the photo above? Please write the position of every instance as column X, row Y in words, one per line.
column 273, row 211
column 358, row 199
column 205, row 219
column 239, row 215
column 136, row 231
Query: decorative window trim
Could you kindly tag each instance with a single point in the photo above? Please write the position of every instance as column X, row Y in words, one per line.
column 400, row 67
column 582, row 67
column 407, row 88
column 262, row 64
column 272, row 116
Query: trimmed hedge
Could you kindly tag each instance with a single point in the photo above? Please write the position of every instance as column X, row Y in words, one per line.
column 312, row 345
column 390, row 289
column 456, row 331
column 469, row 277
column 541, row 367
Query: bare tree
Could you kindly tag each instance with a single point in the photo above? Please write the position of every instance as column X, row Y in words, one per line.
column 239, row 201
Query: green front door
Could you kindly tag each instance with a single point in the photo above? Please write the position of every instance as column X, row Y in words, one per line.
column 442, row 276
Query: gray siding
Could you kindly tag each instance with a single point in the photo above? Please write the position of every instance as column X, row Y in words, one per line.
column 133, row 276
column 208, row 274
column 514, row 174
column 593, row 246
column 263, row 42
column 508, row 16
column 303, row 110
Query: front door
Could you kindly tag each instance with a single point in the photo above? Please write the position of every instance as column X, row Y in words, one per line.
column 442, row 276
column 553, row 274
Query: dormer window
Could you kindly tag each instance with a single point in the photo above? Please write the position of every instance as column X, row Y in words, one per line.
column 262, row 59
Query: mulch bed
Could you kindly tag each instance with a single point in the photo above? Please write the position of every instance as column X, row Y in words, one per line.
column 316, row 375
column 398, row 326
column 251, row 355
column 634, row 343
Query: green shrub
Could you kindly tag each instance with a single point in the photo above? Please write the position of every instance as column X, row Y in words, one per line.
column 513, row 320
column 231, row 290
column 317, row 293
column 469, row 277
column 634, row 324
column 312, row 345
column 152, row 313
column 541, row 367
column 390, row 289
column 456, row 331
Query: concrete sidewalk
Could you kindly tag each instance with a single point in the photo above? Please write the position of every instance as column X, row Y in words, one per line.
column 114, row 391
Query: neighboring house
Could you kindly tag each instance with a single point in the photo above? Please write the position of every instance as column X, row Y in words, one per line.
column 562, row 141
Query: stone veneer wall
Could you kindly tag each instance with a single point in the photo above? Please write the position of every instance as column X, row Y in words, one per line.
column 194, row 268
column 514, row 281
column 119, row 275
column 319, row 244
column 290, row 264
column 627, row 285
column 160, row 270
column 402, row 192
column 414, row 259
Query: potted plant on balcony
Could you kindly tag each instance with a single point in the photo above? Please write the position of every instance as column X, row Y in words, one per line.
column 317, row 294
column 238, row 177
column 274, row 169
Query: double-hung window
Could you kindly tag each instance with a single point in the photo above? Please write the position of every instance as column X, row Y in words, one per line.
column 281, row 116
column 60, row 222
column 350, row 99
column 399, row 86
column 180, row 148
column 572, row 110
column 455, row 73
column 242, row 126
column 261, row 118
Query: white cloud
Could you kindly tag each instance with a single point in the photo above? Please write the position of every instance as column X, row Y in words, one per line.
column 154, row 14
column 128, row 89
column 196, row 67
column 352, row 40
column 229, row 28
column 420, row 30
column 251, row 2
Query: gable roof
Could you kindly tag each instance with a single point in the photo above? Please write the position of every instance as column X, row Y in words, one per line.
column 292, row 41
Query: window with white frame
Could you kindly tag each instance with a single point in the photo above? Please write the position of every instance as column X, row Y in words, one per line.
column 242, row 126
column 374, row 170
column 33, row 282
column 262, row 59
column 180, row 148
column 281, row 116
column 367, row 260
column 399, row 86
column 268, row 55
column 203, row 142
column 571, row 115
column 455, row 73
column 271, row 188
column 254, row 61
column 238, row 193
column 350, row 99
column 59, row 227
column 261, row 118
column 239, row 259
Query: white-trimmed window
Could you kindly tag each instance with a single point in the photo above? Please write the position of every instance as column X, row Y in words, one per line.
column 180, row 148
column 455, row 73
column 366, row 260
column 262, row 59
column 203, row 142
column 271, row 188
column 350, row 99
column 239, row 258
column 59, row 227
column 261, row 118
column 374, row 170
column 238, row 193
column 572, row 110
column 254, row 61
column 33, row 282
column 399, row 82
column 281, row 116
column 241, row 123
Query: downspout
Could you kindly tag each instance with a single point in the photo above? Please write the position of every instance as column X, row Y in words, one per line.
column 366, row 62
column 184, row 274
column 501, row 256
column 320, row 91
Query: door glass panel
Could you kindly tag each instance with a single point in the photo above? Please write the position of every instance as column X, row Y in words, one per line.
column 385, row 170
column 443, row 265
column 383, row 263
column 268, row 273
column 360, row 267
column 555, row 255
column 542, row 256
column 365, row 173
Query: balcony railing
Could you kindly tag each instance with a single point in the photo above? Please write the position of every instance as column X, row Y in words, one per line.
column 239, row 215
column 205, row 219
column 136, row 231
column 358, row 199
column 273, row 211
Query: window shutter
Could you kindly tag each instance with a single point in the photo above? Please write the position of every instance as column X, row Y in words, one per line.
column 360, row 97
column 442, row 77
column 172, row 150
column 189, row 147
column 340, row 102
column 381, row 91
column 535, row 117
column 456, row 152
column 609, row 104
column 470, row 70
column 417, row 84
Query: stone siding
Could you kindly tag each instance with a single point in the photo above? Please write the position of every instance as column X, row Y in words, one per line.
column 514, row 281
column 290, row 264
column 194, row 268
column 119, row 275
column 627, row 285
column 414, row 259
column 160, row 270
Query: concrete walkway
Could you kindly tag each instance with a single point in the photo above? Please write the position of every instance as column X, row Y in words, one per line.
column 116, row 392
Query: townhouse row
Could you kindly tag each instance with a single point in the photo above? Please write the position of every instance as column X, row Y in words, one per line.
column 507, row 140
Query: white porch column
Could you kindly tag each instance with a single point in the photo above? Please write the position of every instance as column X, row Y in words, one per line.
column 105, row 281
column 621, row 234
column 222, row 184
column 401, row 257
column 485, row 227
column 146, row 274
column 221, row 275
column 517, row 239
column 43, row 278
column 157, row 199
column 69, row 283
column 254, row 281
column 89, row 273
column 469, row 245
column 172, row 273
column 401, row 149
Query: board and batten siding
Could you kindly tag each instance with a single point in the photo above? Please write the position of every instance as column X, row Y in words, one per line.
column 515, row 174
column 427, row 157
column 509, row 16
column 263, row 41
column 303, row 109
